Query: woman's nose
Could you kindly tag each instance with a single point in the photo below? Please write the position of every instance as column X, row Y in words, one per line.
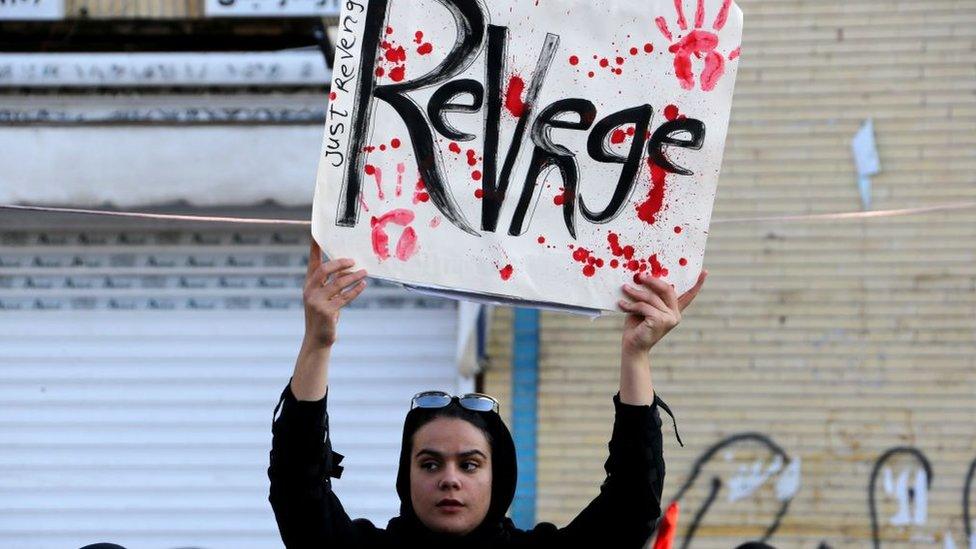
column 451, row 479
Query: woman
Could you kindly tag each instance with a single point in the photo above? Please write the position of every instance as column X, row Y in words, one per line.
column 456, row 475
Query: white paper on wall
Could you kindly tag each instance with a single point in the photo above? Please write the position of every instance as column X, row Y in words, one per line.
column 531, row 150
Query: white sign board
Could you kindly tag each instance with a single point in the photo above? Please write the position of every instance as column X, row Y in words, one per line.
column 39, row 70
column 31, row 9
column 532, row 151
column 271, row 8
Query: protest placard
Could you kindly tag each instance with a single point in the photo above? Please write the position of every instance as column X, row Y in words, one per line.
column 529, row 150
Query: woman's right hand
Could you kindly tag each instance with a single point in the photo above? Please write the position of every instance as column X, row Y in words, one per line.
column 329, row 287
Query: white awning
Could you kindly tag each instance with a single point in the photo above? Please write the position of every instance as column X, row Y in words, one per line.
column 126, row 70
column 139, row 166
column 132, row 151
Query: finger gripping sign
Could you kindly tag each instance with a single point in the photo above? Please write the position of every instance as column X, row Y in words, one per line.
column 536, row 151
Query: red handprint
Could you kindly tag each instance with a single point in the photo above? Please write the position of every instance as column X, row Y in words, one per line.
column 698, row 42
column 406, row 245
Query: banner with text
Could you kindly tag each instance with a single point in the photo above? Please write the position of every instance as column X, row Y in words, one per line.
column 533, row 151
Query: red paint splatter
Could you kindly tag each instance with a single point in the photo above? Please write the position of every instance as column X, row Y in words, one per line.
column 560, row 198
column 677, row 230
column 697, row 43
column 425, row 49
column 418, row 37
column 332, row 96
column 589, row 270
column 454, row 148
column 620, row 60
column 671, row 112
column 506, row 272
column 700, row 14
column 542, row 240
column 657, row 271
column 378, row 176
column 380, row 71
column 472, row 158
column 618, row 137
column 723, row 15
column 591, row 74
column 735, row 54
column 398, row 74
column 401, row 169
column 634, row 51
column 604, row 62
column 479, row 193
column 513, row 97
column 648, row 48
column 406, row 245
column 574, row 60
column 383, row 147
column 395, row 143
column 683, row 262
column 614, row 263
column 435, row 222
column 615, row 247
column 396, row 55
column 580, row 254
column 647, row 211
column 662, row 25
column 476, row 175
column 389, row 30
column 420, row 193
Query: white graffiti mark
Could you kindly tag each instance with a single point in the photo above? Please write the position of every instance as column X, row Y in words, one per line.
column 747, row 479
column 912, row 503
column 789, row 482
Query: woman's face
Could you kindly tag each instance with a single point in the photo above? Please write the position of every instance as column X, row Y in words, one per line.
column 450, row 476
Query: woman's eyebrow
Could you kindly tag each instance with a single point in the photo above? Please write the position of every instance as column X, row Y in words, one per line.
column 438, row 455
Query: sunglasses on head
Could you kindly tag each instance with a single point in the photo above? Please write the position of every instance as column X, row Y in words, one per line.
column 476, row 402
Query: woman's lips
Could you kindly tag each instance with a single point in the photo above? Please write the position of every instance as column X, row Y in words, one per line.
column 450, row 505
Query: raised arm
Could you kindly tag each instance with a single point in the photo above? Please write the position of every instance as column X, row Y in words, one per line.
column 654, row 310
column 328, row 288
column 302, row 461
column 624, row 514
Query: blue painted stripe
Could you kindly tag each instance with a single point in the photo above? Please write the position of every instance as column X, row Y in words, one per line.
column 525, row 385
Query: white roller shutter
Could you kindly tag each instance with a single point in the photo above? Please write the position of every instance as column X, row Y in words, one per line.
column 139, row 371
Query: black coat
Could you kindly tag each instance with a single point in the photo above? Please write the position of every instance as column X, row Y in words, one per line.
column 310, row 515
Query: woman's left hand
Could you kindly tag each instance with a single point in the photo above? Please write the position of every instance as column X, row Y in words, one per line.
column 654, row 310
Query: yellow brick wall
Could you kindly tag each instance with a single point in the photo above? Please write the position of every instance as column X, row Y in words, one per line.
column 498, row 371
column 836, row 341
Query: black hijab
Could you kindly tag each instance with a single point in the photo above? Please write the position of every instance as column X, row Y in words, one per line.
column 495, row 526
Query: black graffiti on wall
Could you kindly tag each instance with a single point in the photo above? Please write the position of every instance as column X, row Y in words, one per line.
column 911, row 494
column 908, row 496
column 911, row 498
column 715, row 484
